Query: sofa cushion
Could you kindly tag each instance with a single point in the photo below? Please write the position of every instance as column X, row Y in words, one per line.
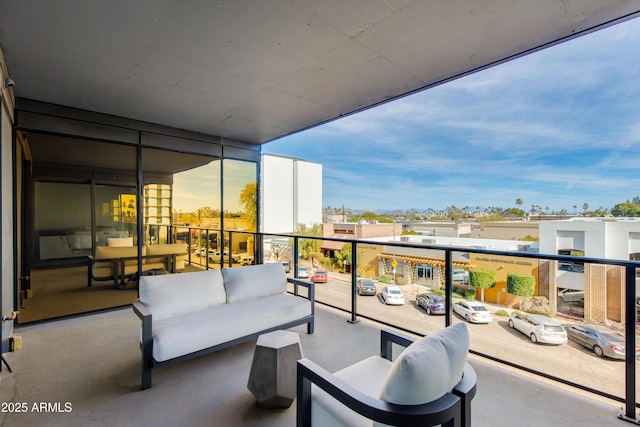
column 254, row 281
column 194, row 331
column 366, row 376
column 429, row 368
column 174, row 294
column 166, row 249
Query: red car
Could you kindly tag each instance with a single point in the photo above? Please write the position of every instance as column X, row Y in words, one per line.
column 320, row 276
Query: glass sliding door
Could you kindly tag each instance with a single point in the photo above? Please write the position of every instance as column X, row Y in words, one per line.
column 182, row 204
column 84, row 194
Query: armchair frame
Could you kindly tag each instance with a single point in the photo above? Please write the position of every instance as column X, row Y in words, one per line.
column 453, row 409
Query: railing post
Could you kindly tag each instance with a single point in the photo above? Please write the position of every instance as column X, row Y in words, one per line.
column 448, row 284
column 628, row 413
column 294, row 255
column 354, row 278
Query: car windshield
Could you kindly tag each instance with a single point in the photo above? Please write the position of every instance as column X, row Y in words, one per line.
column 395, row 292
column 553, row 328
column 478, row 308
column 367, row 284
column 438, row 300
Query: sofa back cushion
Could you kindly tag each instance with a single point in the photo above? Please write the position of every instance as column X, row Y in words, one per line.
column 166, row 249
column 429, row 368
column 170, row 295
column 254, row 281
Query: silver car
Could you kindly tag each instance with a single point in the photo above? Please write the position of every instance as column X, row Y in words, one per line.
column 602, row 341
column 473, row 312
column 539, row 328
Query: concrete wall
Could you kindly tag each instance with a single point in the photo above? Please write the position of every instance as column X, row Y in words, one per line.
column 7, row 251
column 308, row 193
column 291, row 194
column 613, row 238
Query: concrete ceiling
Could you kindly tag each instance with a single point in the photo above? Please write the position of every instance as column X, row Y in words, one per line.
column 256, row 70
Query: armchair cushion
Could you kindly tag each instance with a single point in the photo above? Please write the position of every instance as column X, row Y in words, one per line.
column 429, row 368
column 254, row 281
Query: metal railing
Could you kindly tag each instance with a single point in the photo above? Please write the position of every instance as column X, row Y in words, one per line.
column 628, row 412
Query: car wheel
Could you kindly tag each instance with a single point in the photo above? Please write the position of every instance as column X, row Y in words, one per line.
column 428, row 311
column 534, row 338
column 510, row 323
column 597, row 351
column 466, row 317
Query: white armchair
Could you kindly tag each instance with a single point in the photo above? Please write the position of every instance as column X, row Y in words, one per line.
column 430, row 383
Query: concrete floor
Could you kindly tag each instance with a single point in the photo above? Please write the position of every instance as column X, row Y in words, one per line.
column 87, row 370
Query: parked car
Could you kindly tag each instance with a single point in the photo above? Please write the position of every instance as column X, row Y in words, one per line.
column 286, row 266
column 303, row 272
column 473, row 311
column 320, row 276
column 366, row 287
column 434, row 304
column 603, row 342
column 539, row 328
column 392, row 295
column 571, row 296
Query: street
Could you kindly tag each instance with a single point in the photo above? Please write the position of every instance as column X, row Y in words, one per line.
column 570, row 361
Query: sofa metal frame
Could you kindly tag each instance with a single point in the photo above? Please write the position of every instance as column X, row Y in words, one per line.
column 146, row 346
column 452, row 409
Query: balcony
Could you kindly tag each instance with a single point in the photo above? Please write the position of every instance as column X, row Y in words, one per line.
column 86, row 371
column 93, row 362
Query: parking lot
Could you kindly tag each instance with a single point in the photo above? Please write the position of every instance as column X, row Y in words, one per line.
column 570, row 361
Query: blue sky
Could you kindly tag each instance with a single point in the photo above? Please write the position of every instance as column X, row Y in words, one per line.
column 557, row 128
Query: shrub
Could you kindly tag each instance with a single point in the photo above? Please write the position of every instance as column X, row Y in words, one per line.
column 520, row 284
column 470, row 294
column 502, row 313
column 537, row 305
column 400, row 281
column 386, row 279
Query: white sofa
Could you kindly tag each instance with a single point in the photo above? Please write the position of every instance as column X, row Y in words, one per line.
column 189, row 314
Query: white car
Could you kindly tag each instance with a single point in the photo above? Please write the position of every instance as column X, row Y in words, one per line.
column 303, row 272
column 538, row 328
column 473, row 312
column 392, row 295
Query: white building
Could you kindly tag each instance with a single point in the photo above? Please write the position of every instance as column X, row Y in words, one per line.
column 613, row 238
column 291, row 193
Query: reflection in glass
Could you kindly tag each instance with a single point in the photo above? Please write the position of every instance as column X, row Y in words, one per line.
column 62, row 220
column 116, row 213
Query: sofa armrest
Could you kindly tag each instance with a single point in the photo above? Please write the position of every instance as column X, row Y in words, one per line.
column 389, row 337
column 141, row 311
column 147, row 341
column 309, row 285
column 437, row 412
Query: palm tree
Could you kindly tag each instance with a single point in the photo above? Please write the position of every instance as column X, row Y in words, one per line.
column 519, row 202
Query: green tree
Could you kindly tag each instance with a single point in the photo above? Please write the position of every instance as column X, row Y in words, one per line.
column 482, row 279
column 626, row 209
column 249, row 202
column 309, row 247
